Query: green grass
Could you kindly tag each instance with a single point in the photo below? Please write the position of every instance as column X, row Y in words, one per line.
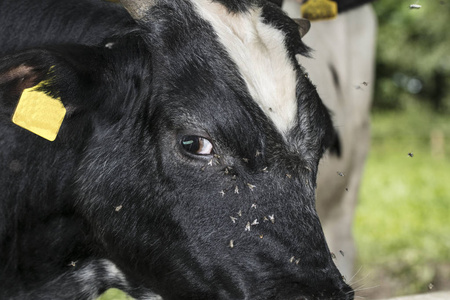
column 402, row 225
column 114, row 294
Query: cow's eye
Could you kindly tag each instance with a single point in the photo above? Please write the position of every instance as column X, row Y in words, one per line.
column 197, row 145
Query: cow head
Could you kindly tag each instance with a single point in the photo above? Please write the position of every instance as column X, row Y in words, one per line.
column 201, row 136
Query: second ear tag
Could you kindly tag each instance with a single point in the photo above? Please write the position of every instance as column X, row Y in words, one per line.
column 39, row 113
column 319, row 10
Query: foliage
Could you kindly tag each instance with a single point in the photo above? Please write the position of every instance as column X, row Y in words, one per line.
column 114, row 294
column 413, row 54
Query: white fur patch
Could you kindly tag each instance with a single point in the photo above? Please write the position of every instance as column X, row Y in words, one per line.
column 116, row 276
column 260, row 54
column 88, row 276
column 113, row 273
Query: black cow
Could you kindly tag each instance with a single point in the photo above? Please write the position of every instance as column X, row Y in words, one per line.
column 186, row 162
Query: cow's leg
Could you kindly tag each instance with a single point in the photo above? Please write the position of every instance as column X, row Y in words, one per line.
column 343, row 71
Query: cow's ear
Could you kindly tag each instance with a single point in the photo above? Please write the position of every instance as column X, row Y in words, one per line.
column 303, row 26
column 70, row 73
column 15, row 78
column 49, row 88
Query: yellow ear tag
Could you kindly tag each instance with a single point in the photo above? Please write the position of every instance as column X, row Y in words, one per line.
column 319, row 10
column 39, row 113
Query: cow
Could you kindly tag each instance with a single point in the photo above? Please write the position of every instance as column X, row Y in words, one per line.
column 173, row 155
column 342, row 68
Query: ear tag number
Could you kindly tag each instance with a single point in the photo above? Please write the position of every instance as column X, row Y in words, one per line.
column 39, row 113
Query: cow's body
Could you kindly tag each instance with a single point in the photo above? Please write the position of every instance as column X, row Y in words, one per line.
column 185, row 166
column 38, row 23
column 343, row 70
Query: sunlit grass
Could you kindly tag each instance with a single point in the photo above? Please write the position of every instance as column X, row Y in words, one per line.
column 402, row 225
column 114, row 294
column 405, row 207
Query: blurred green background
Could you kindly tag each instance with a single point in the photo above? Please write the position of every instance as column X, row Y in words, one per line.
column 402, row 225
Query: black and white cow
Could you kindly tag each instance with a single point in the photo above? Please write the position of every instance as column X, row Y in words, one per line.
column 185, row 164
column 343, row 70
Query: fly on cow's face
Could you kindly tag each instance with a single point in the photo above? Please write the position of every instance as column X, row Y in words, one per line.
column 73, row 263
column 251, row 186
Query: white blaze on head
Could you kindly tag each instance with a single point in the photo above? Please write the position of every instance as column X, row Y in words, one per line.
column 259, row 52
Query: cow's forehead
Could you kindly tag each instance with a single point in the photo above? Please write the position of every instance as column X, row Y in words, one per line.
column 259, row 52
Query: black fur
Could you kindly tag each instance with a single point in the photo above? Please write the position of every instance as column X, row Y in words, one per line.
column 117, row 186
column 28, row 24
column 343, row 5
